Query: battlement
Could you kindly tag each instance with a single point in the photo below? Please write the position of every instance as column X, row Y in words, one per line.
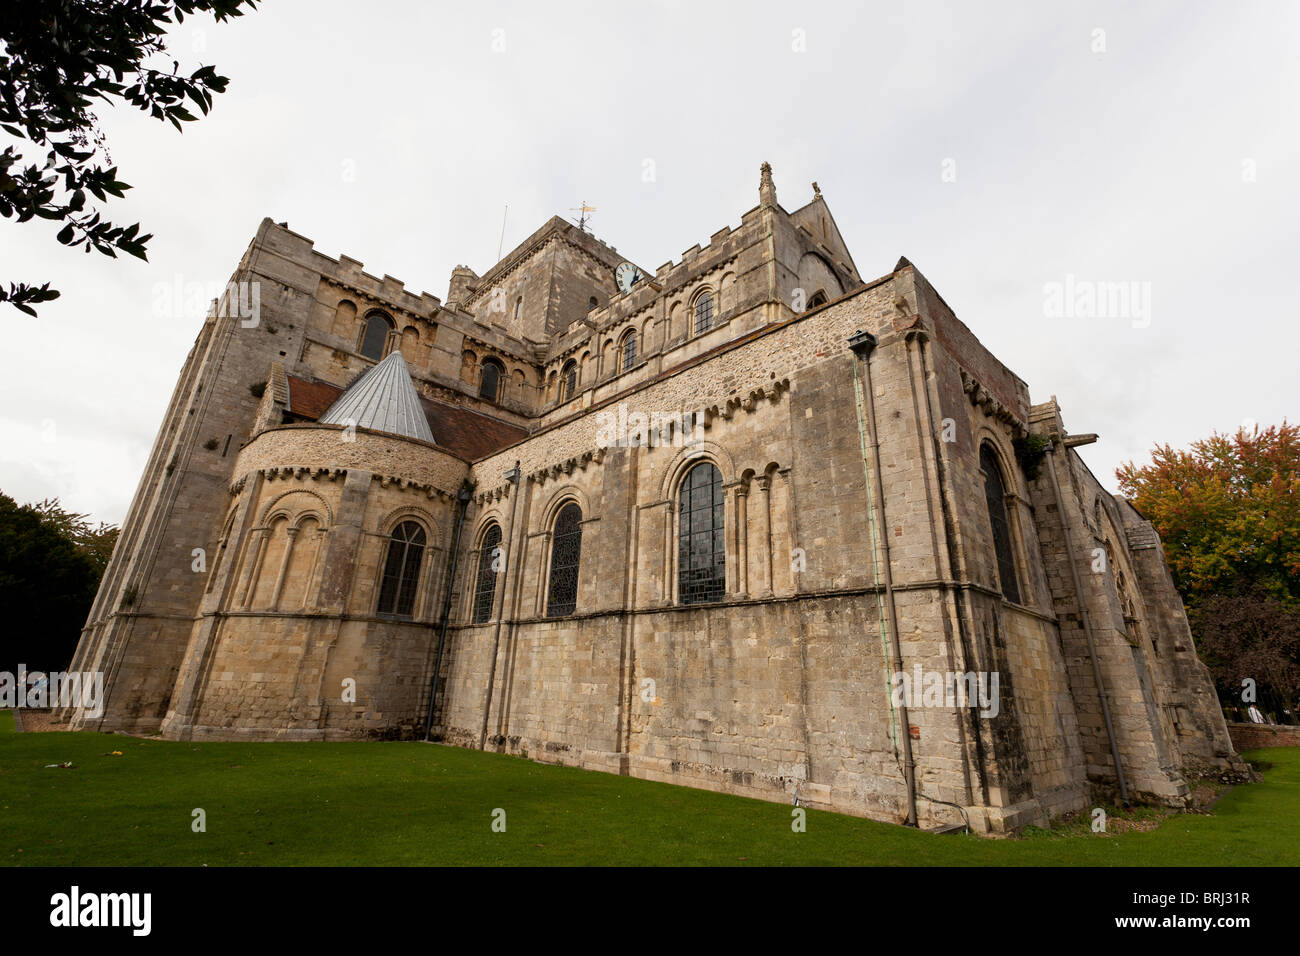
column 279, row 239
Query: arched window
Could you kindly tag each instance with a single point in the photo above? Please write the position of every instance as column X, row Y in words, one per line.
column 519, row 307
column 491, row 381
column 489, row 563
column 819, row 298
column 566, row 552
column 703, row 313
column 995, row 497
column 628, row 348
column 375, row 337
column 592, row 303
column 701, row 574
column 401, row 570
column 569, row 380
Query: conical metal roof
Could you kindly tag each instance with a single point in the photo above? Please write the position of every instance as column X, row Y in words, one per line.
column 383, row 399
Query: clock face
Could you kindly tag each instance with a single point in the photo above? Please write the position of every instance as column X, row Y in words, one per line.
column 625, row 275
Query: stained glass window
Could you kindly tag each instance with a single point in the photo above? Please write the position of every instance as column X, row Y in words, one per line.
column 489, row 563
column 566, row 553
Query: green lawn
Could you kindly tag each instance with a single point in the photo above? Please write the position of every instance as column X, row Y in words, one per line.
column 414, row 804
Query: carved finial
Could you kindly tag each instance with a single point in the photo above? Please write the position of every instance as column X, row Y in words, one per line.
column 817, row 191
column 766, row 188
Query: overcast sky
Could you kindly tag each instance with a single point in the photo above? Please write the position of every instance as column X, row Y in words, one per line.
column 1000, row 147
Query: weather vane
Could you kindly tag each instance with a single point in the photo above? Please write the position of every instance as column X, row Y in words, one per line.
column 582, row 214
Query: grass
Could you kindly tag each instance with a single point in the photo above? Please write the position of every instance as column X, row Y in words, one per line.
column 326, row 804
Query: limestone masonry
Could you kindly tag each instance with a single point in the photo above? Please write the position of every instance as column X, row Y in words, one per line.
column 742, row 522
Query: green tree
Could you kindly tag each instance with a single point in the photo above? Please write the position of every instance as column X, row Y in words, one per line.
column 58, row 59
column 1228, row 511
column 96, row 543
column 47, row 584
column 1248, row 633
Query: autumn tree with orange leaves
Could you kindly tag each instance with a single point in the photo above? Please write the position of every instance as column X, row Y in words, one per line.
column 1228, row 511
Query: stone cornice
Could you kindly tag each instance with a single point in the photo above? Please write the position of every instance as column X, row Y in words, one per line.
column 298, row 472
column 983, row 399
column 430, row 490
column 567, row 466
column 727, row 410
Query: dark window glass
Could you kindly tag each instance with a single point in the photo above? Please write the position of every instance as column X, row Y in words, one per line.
column 819, row 298
column 375, row 337
column 995, row 498
column 566, row 552
column 401, row 570
column 701, row 574
column 629, row 351
column 570, row 377
column 491, row 380
column 703, row 313
column 591, row 303
column 485, row 589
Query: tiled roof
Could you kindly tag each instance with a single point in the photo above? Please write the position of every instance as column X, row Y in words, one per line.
column 311, row 399
column 463, row 432
column 467, row 433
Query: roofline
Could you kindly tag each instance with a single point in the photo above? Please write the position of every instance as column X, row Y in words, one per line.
column 752, row 335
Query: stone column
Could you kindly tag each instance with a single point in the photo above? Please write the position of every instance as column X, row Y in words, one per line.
column 765, row 535
column 291, row 535
column 742, row 538
column 254, row 568
column 670, row 555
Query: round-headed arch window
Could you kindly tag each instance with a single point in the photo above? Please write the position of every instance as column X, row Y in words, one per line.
column 995, row 499
column 566, row 555
column 375, row 337
column 489, row 563
column 629, row 350
column 703, row 313
column 701, row 564
column 490, row 383
column 402, row 570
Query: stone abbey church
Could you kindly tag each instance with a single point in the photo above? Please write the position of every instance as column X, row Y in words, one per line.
column 698, row 524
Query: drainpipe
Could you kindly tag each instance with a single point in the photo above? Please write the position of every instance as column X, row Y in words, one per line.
column 1087, row 625
column 862, row 344
column 512, row 476
column 463, row 497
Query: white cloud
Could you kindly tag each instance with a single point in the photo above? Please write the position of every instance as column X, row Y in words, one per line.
column 1117, row 166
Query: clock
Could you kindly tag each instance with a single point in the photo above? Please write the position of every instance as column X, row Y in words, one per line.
column 626, row 275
